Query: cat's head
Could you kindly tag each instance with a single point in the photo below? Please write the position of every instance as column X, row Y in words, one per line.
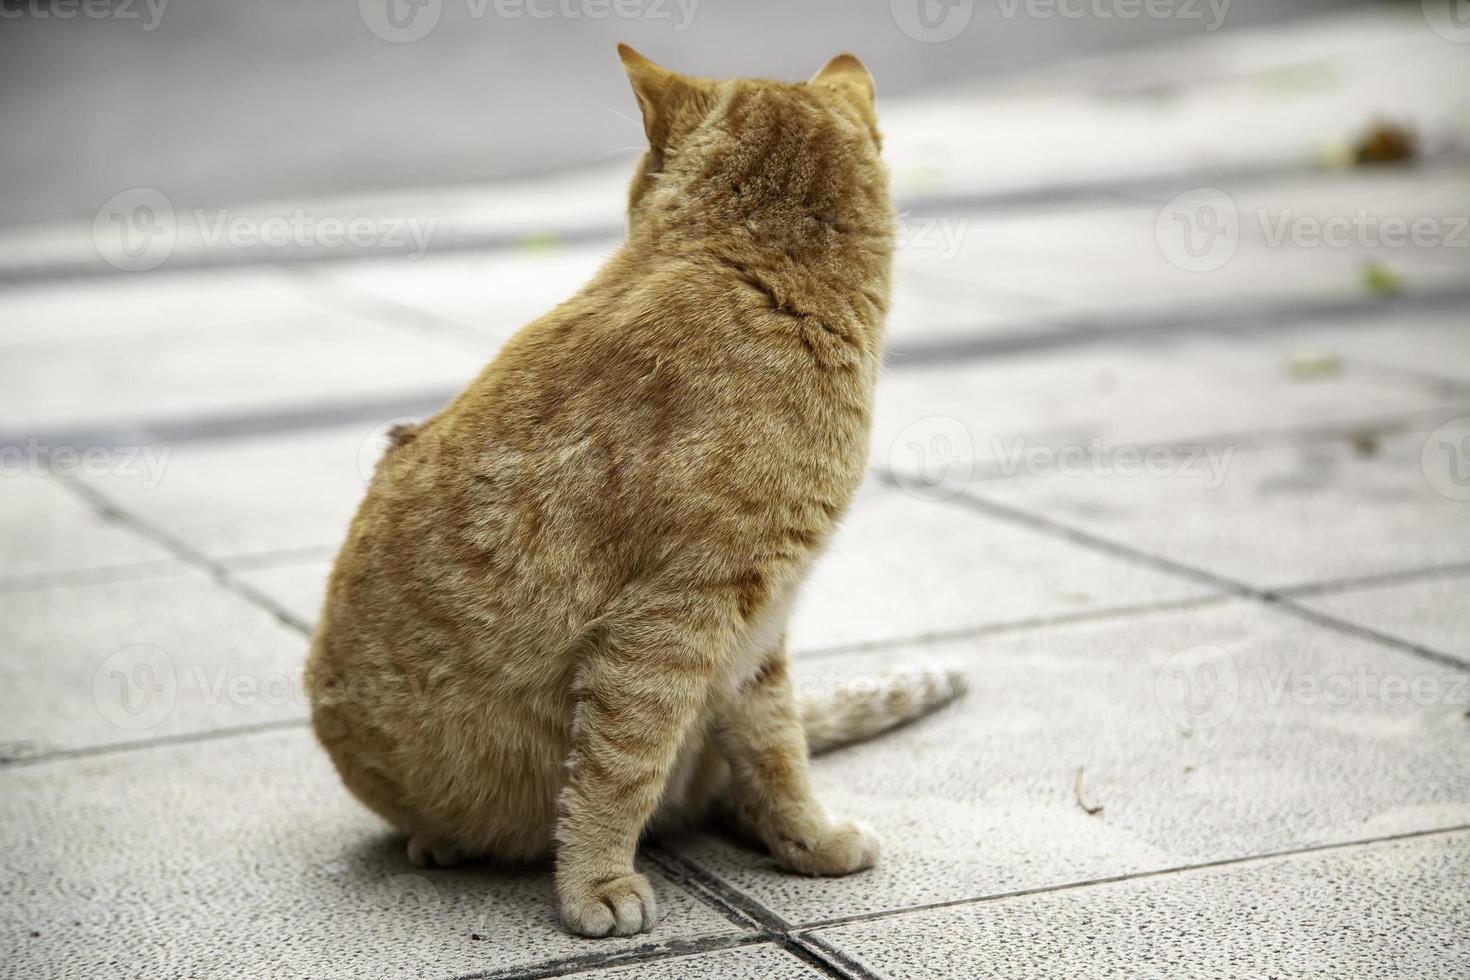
column 759, row 152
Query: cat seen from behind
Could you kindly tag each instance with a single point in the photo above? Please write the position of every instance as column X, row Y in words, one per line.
column 557, row 624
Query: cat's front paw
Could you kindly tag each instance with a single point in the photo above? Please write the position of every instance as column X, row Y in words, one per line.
column 620, row 907
column 840, row 849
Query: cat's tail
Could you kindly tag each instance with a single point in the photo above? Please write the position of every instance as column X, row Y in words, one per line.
column 861, row 707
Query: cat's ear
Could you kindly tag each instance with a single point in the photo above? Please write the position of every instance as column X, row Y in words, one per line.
column 654, row 88
column 848, row 73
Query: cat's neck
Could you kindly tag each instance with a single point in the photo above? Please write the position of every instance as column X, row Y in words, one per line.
column 824, row 262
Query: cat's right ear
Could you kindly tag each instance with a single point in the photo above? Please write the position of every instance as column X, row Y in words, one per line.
column 653, row 87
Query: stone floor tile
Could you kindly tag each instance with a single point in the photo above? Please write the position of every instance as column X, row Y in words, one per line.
column 1203, row 735
column 1281, row 516
column 106, row 663
column 117, row 380
column 902, row 567
column 928, row 310
column 1103, row 262
column 45, row 528
column 246, row 857
column 496, row 292
column 1392, row 909
column 1156, row 391
column 759, row 962
column 299, row 588
column 1431, row 345
column 270, row 493
column 202, row 305
column 1432, row 612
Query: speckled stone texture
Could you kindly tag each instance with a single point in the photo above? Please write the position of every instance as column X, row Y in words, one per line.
column 134, row 660
column 49, row 530
column 1432, row 612
column 1283, row 516
column 763, row 962
column 1393, row 909
column 245, row 857
column 1204, row 734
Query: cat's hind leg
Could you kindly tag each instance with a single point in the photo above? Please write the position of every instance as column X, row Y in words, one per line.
column 762, row 737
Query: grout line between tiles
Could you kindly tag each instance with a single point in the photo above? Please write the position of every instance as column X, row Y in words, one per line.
column 1240, row 319
column 1260, row 439
column 1332, row 586
column 1239, row 323
column 1011, row 626
column 688, row 873
column 649, row 953
column 132, row 572
column 185, row 552
column 160, row 741
column 1268, row 597
column 1265, row 856
column 1131, row 188
column 342, row 296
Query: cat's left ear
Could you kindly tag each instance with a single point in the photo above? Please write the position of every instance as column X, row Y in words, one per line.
column 846, row 72
column 654, row 88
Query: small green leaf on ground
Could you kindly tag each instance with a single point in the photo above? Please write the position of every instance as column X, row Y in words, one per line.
column 1380, row 280
column 1312, row 365
column 546, row 241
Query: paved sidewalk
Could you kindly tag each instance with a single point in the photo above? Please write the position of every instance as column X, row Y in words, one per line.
column 1193, row 513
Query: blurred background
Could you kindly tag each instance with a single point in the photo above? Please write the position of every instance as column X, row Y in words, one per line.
column 219, row 103
column 1173, row 436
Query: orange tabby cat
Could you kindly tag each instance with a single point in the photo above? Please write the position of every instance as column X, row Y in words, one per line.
column 557, row 622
